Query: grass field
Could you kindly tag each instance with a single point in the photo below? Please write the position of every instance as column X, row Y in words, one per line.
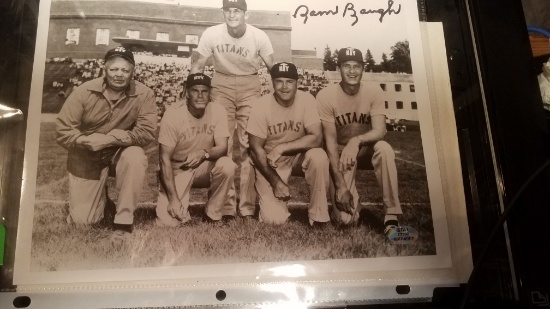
column 58, row 246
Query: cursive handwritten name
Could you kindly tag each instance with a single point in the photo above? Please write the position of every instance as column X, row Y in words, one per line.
column 313, row 13
column 349, row 10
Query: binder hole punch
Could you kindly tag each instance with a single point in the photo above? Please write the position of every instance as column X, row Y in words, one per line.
column 220, row 295
column 22, row 302
column 403, row 289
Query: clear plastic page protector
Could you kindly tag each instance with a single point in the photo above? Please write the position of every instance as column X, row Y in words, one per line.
column 246, row 262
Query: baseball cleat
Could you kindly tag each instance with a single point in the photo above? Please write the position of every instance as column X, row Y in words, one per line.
column 319, row 225
column 207, row 219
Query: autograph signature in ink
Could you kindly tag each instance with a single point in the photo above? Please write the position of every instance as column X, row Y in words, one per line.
column 305, row 12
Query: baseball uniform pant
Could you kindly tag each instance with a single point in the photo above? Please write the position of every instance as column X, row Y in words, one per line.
column 383, row 162
column 87, row 197
column 217, row 176
column 315, row 165
column 237, row 94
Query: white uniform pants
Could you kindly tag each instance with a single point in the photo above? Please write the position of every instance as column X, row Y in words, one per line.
column 87, row 197
column 315, row 165
column 217, row 176
column 236, row 94
column 383, row 161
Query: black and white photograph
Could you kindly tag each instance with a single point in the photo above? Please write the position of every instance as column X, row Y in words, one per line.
column 178, row 139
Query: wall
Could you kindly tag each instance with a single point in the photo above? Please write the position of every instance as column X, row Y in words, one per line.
column 177, row 20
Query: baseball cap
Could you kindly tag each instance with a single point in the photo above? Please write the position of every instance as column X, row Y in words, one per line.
column 120, row 52
column 238, row 4
column 284, row 69
column 197, row 79
column 349, row 54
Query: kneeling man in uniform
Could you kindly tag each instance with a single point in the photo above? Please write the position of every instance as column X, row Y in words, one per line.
column 354, row 127
column 193, row 153
column 284, row 131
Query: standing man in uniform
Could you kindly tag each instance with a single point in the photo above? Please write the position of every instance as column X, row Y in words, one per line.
column 193, row 152
column 284, row 130
column 104, row 124
column 354, row 123
column 237, row 49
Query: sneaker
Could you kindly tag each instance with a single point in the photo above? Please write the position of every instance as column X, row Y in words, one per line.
column 207, row 219
column 390, row 228
column 123, row 227
column 392, row 223
column 319, row 225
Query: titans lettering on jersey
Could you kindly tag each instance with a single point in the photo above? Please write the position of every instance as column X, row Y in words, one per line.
column 232, row 48
column 349, row 118
column 192, row 132
column 284, row 126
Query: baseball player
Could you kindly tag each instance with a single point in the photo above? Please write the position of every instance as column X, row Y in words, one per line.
column 284, row 131
column 237, row 49
column 193, row 152
column 104, row 124
column 354, row 124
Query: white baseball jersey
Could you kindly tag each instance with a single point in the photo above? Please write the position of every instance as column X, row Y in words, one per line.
column 278, row 124
column 179, row 129
column 236, row 56
column 350, row 114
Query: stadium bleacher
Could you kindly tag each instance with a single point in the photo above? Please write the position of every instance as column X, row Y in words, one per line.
column 166, row 79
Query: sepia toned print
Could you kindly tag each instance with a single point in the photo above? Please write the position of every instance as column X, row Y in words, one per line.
column 383, row 218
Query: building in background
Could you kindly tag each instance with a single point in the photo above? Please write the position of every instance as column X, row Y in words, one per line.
column 164, row 36
column 307, row 59
column 401, row 103
column 86, row 29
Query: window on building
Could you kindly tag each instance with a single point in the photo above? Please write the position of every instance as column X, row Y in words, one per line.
column 132, row 34
column 163, row 36
column 102, row 36
column 397, row 87
column 413, row 105
column 386, row 104
column 383, row 86
column 411, row 87
column 399, row 104
column 73, row 36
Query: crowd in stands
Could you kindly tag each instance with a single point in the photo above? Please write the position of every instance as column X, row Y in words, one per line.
column 166, row 79
column 60, row 60
column 311, row 81
column 84, row 71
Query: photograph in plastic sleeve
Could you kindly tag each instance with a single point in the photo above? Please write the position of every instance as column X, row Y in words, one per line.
column 160, row 146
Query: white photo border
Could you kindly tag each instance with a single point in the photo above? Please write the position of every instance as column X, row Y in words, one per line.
column 245, row 271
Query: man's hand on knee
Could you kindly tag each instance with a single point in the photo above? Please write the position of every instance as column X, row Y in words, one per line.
column 344, row 201
column 175, row 208
column 194, row 159
column 348, row 157
column 281, row 191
